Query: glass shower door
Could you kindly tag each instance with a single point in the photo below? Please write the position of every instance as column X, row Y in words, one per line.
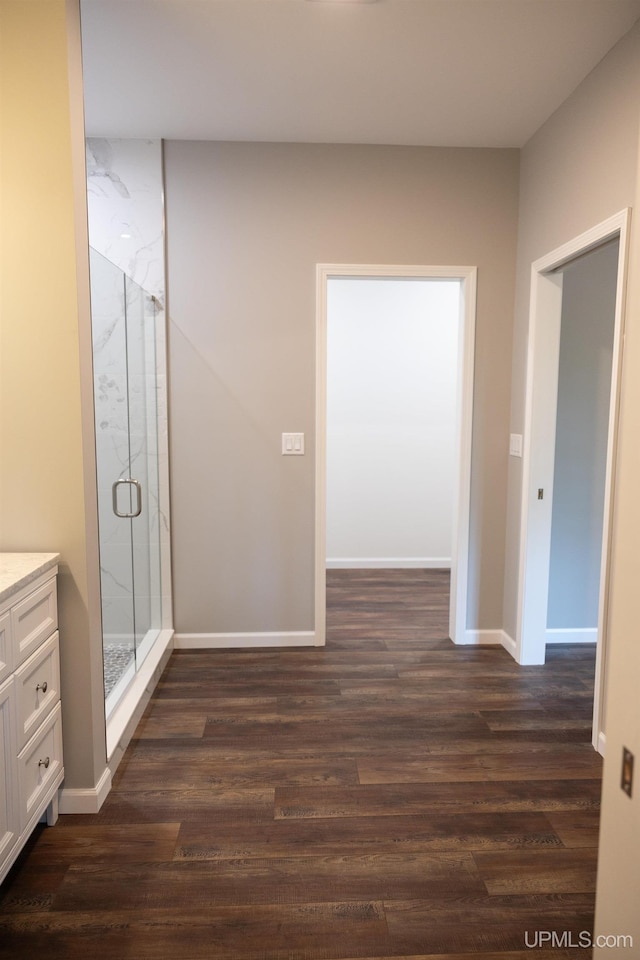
column 141, row 316
column 125, row 380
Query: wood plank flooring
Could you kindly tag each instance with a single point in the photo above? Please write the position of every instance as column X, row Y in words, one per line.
column 388, row 796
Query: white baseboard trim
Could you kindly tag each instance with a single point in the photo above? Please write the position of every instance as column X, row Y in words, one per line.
column 509, row 644
column 479, row 638
column 86, row 800
column 230, row 641
column 602, row 743
column 567, row 635
column 388, row 563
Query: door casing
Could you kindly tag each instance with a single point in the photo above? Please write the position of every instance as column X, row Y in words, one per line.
column 464, row 417
column 543, row 352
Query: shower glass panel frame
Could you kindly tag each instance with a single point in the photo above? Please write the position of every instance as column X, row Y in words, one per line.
column 125, row 326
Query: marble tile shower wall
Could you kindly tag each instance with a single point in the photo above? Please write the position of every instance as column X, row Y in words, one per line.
column 124, row 188
column 124, row 192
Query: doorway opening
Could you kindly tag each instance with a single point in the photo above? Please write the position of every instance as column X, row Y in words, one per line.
column 573, row 373
column 377, row 418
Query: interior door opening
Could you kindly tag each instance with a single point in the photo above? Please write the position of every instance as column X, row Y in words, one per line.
column 395, row 380
column 391, row 418
column 580, row 457
column 574, row 360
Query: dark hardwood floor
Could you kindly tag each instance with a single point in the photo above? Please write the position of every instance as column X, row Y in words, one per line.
column 387, row 796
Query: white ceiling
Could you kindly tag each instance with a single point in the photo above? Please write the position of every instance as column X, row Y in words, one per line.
column 481, row 73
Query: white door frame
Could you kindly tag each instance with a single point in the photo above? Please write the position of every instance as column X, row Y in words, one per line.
column 466, row 352
column 539, row 448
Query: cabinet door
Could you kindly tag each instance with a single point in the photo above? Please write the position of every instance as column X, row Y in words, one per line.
column 37, row 689
column 40, row 769
column 9, row 826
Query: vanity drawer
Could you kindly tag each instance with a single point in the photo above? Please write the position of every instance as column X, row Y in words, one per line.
column 40, row 766
column 37, row 688
column 6, row 647
column 33, row 620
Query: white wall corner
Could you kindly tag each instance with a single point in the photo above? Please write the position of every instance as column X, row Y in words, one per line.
column 88, row 800
column 509, row 644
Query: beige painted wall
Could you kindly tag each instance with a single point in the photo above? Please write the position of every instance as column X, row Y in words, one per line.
column 247, row 223
column 44, row 504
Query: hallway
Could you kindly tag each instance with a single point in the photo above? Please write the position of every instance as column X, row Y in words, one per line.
column 390, row 795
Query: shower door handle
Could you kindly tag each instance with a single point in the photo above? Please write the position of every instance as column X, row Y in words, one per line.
column 114, row 495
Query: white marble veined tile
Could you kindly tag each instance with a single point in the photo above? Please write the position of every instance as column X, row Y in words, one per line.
column 153, row 484
column 117, row 616
column 110, row 526
column 160, row 367
column 159, row 523
column 143, row 615
column 151, row 359
column 142, row 569
column 112, row 459
column 114, row 531
column 111, row 397
column 116, row 569
column 138, row 383
column 156, row 609
column 136, row 339
column 154, row 332
column 124, row 193
column 109, row 346
column 107, row 286
column 161, row 413
column 139, row 463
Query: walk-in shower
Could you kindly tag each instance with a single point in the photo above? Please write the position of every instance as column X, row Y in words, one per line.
column 129, row 373
column 124, row 319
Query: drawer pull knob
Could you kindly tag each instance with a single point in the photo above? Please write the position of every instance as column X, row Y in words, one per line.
column 44, row 763
column 42, row 686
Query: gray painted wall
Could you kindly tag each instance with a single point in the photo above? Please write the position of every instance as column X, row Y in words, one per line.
column 578, row 169
column 246, row 226
column 584, row 384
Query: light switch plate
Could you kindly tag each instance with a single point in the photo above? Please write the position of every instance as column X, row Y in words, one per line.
column 515, row 445
column 292, row 444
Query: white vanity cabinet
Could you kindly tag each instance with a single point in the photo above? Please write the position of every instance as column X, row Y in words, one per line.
column 31, row 767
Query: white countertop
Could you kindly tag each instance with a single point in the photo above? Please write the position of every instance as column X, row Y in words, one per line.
column 17, row 570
